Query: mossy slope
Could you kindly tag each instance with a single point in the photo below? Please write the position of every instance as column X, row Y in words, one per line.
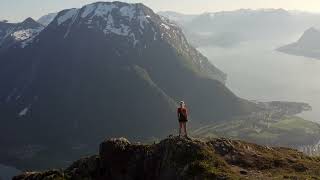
column 182, row 158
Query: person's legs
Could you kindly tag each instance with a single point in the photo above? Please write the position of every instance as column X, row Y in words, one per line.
column 180, row 127
column 185, row 128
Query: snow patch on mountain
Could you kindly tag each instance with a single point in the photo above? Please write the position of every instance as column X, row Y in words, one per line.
column 28, row 41
column 67, row 15
column 165, row 26
column 118, row 19
column 87, row 10
column 24, row 112
column 105, row 11
column 128, row 11
column 143, row 19
column 122, row 19
column 105, row 16
column 135, row 41
column 123, row 30
column 24, row 34
column 99, row 10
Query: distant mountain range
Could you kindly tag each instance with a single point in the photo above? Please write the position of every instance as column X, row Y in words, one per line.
column 106, row 69
column 308, row 45
column 177, row 17
column 13, row 33
column 228, row 28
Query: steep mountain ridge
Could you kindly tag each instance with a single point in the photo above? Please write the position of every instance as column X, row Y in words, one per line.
column 47, row 19
column 181, row 158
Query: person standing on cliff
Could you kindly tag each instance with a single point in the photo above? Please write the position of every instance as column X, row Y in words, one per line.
column 182, row 118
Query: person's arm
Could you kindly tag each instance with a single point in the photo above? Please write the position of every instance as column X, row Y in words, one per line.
column 178, row 114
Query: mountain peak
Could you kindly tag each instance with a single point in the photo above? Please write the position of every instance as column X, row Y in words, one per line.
column 103, row 9
column 112, row 18
column 310, row 36
column 30, row 23
column 134, row 25
column 29, row 19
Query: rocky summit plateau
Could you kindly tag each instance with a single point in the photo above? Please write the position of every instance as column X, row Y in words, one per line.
column 186, row 158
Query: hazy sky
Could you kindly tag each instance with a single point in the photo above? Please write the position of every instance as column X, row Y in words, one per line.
column 16, row 10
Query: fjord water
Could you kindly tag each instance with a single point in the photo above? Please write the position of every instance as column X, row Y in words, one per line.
column 256, row 71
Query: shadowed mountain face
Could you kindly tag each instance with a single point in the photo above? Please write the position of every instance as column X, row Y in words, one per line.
column 4, row 28
column 107, row 69
column 308, row 45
